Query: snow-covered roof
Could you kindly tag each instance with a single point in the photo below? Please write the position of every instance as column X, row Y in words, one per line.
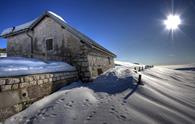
column 30, row 25
column 27, row 25
column 15, row 66
column 59, row 17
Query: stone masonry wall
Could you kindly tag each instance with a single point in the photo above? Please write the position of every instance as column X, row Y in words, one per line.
column 16, row 93
column 99, row 60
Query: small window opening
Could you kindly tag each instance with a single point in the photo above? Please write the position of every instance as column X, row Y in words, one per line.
column 99, row 71
column 24, row 94
column 49, row 44
column 82, row 41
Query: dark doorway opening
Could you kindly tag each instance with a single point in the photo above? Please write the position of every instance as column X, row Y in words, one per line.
column 99, row 70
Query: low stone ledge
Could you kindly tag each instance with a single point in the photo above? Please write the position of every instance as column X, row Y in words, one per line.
column 30, row 88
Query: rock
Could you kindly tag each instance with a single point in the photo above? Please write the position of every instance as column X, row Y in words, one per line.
column 13, row 80
column 22, row 85
column 15, row 86
column 2, row 81
column 6, row 87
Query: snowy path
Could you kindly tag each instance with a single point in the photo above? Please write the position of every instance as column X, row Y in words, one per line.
column 168, row 96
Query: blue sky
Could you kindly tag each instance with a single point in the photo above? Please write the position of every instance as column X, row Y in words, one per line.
column 132, row 29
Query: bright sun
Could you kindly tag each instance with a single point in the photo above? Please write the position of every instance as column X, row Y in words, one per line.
column 172, row 22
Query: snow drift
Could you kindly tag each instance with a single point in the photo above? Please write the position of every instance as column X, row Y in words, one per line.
column 128, row 64
column 14, row 66
column 167, row 96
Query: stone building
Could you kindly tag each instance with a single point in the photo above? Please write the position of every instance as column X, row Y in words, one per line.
column 50, row 37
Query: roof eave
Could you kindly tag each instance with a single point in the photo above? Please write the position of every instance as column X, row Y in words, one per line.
column 13, row 33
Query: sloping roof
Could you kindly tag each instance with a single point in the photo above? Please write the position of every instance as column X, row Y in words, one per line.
column 30, row 25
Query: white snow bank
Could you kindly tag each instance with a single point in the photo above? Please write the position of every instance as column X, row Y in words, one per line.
column 14, row 66
column 128, row 64
column 167, row 97
column 70, row 103
column 114, row 80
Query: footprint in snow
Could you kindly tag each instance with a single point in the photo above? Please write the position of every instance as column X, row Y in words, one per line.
column 60, row 101
column 85, row 104
column 89, row 117
column 94, row 112
column 123, row 103
column 68, row 105
column 122, row 116
column 112, row 108
column 51, row 115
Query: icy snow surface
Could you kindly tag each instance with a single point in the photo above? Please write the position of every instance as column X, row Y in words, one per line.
column 59, row 17
column 167, row 97
column 13, row 66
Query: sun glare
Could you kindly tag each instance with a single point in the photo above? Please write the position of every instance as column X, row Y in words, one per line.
column 172, row 22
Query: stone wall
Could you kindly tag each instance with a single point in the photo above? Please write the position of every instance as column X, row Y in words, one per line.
column 99, row 60
column 16, row 93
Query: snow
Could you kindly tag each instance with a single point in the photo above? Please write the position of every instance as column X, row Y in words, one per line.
column 128, row 64
column 186, row 67
column 167, row 96
column 59, row 17
column 28, row 24
column 14, row 66
column 3, row 54
column 18, row 28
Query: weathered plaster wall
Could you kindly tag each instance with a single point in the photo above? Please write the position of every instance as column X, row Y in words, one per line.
column 65, row 44
column 16, row 93
column 19, row 45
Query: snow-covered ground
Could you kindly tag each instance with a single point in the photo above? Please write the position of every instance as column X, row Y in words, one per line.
column 167, row 97
column 186, row 67
column 13, row 66
column 128, row 64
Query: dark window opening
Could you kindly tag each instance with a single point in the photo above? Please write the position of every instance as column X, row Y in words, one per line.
column 99, row 71
column 82, row 41
column 49, row 44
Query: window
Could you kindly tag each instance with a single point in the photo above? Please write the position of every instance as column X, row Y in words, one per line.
column 49, row 44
